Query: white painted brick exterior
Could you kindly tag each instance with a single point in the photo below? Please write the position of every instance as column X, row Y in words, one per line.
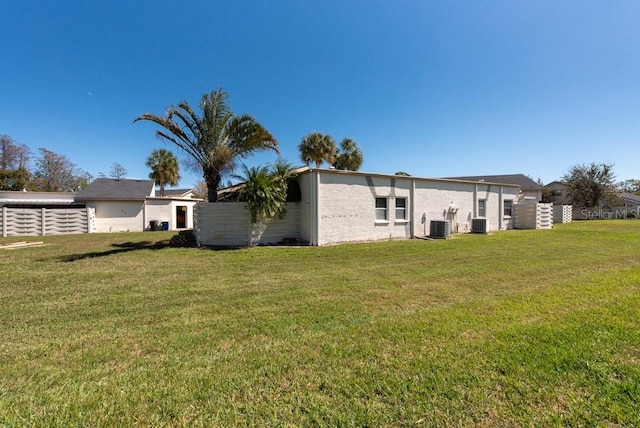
column 346, row 205
column 339, row 206
column 347, row 208
column 229, row 224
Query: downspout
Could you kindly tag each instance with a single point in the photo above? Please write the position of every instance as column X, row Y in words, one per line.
column 311, row 204
column 4, row 222
column 500, row 208
column 316, row 212
column 144, row 214
column 475, row 201
column 412, row 207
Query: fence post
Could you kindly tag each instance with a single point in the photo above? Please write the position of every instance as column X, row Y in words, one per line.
column 4, row 222
column 43, row 221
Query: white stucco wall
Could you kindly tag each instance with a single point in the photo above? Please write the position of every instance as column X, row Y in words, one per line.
column 160, row 210
column 134, row 216
column 118, row 216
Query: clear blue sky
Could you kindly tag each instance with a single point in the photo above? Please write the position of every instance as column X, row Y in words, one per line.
column 433, row 88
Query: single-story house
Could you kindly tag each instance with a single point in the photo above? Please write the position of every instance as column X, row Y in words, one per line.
column 345, row 206
column 132, row 205
column 529, row 189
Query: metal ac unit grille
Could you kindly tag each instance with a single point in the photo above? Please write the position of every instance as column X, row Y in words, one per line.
column 440, row 229
column 479, row 225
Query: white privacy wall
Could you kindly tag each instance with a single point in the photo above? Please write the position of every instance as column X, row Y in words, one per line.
column 229, row 224
column 45, row 221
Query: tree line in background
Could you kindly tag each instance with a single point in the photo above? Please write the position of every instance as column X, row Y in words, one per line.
column 51, row 172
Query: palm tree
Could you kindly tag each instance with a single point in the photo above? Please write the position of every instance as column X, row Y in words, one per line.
column 349, row 156
column 216, row 140
column 264, row 192
column 164, row 168
column 317, row 148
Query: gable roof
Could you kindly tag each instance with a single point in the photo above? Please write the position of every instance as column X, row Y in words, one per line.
column 631, row 199
column 521, row 180
column 557, row 183
column 115, row 189
column 177, row 192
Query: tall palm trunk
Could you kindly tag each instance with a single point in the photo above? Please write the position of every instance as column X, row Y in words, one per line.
column 213, row 179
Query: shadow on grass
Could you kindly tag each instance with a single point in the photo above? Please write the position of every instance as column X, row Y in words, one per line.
column 124, row 247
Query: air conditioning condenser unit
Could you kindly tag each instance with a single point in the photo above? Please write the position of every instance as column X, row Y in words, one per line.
column 478, row 225
column 440, row 229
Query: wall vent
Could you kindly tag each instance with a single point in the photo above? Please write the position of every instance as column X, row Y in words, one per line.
column 440, row 229
column 478, row 225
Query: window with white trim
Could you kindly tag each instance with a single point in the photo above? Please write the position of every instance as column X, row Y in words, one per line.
column 401, row 208
column 482, row 207
column 381, row 209
column 508, row 208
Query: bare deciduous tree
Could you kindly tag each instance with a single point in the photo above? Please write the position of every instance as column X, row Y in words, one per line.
column 56, row 173
column 117, row 171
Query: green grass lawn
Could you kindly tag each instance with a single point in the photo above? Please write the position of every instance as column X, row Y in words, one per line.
column 534, row 328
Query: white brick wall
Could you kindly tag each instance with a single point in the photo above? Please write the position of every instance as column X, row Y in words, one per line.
column 229, row 224
column 347, row 206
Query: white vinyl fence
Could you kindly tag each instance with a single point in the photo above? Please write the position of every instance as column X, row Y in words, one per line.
column 562, row 213
column 46, row 221
column 533, row 216
column 229, row 224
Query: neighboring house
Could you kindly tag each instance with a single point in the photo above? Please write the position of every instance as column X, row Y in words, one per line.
column 529, row 189
column 560, row 196
column 132, row 205
column 630, row 200
column 346, row 206
column 179, row 193
column 559, row 192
